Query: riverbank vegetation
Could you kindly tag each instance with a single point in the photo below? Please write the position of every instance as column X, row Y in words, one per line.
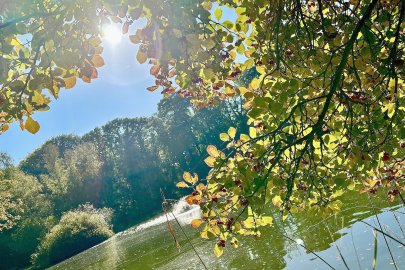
column 119, row 167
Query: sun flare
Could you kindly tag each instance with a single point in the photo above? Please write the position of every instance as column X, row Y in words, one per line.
column 112, row 34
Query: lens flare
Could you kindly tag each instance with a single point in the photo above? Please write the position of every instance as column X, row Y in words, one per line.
column 112, row 34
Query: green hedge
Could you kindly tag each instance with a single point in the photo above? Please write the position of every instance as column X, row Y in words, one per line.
column 77, row 231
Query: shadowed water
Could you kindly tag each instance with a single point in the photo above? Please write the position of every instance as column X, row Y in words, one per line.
column 338, row 239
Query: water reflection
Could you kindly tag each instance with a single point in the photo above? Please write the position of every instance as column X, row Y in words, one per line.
column 338, row 239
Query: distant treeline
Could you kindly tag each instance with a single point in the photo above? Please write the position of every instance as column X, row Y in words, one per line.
column 120, row 166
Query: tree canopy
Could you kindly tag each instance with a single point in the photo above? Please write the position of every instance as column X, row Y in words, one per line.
column 326, row 107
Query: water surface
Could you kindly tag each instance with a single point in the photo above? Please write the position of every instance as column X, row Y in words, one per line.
column 342, row 240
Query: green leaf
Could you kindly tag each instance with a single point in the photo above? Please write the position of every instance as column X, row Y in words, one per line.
column 244, row 137
column 218, row 13
column 228, row 24
column 241, row 48
column 375, row 249
column 340, row 179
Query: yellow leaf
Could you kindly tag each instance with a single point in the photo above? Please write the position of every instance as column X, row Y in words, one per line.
column 232, row 132
column 391, row 109
column 218, row 13
column 70, row 82
column 210, row 161
column 277, row 201
column 266, row 221
column 307, row 131
column 234, row 242
column 182, row 185
column 31, row 125
column 285, row 216
column 224, row 137
column 218, row 251
column 255, row 83
column 195, row 178
column 141, row 57
column 134, row 39
column 4, row 127
column 188, row 178
column 213, row 151
column 252, row 132
column 97, row 61
column 261, row 69
column 200, row 187
column 196, row 223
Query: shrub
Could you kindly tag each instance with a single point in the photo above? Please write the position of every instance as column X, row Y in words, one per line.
column 77, row 231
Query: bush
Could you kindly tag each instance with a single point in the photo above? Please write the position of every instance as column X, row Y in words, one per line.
column 77, row 231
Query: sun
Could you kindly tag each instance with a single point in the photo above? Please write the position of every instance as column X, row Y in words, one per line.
column 112, row 34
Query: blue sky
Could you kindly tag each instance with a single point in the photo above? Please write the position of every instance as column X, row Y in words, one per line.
column 120, row 91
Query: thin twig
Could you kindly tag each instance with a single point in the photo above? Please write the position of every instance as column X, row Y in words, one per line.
column 384, row 233
column 181, row 228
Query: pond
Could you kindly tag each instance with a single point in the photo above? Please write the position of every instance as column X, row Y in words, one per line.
column 303, row 241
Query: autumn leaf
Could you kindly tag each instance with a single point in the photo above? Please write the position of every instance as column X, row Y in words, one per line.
column 86, row 79
column 97, row 60
column 277, row 201
column 4, row 127
column 31, row 125
column 210, row 161
column 125, row 28
column 70, row 82
column 224, row 137
column 172, row 73
column 213, row 151
column 182, row 185
column 218, row 250
column 94, row 74
column 200, row 187
column 232, row 132
column 134, row 39
column 141, row 57
column 152, row 88
column 154, row 70
column 196, row 223
column 188, row 178
column 191, row 200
